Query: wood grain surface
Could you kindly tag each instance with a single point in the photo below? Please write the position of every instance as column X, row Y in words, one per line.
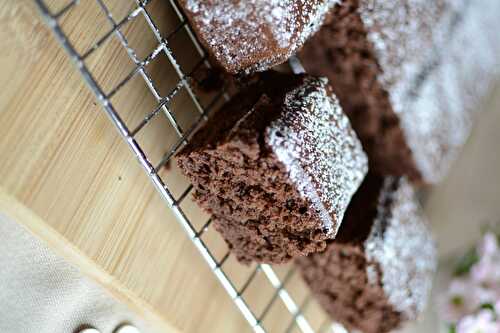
column 63, row 162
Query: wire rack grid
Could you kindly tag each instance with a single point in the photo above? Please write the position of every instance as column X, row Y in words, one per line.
column 183, row 80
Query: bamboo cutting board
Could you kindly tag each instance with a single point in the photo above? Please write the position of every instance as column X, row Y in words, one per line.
column 67, row 176
column 85, row 194
column 61, row 159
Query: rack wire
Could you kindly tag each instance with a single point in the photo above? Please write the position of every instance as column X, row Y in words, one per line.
column 183, row 80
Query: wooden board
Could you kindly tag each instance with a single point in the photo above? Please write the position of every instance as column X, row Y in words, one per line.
column 62, row 161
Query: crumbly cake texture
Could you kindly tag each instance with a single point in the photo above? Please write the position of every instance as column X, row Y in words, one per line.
column 378, row 273
column 243, row 36
column 277, row 167
column 388, row 61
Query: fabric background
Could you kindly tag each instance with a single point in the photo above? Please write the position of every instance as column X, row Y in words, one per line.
column 42, row 293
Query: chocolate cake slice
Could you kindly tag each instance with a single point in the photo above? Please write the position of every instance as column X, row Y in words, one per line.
column 243, row 36
column 378, row 271
column 277, row 167
column 404, row 74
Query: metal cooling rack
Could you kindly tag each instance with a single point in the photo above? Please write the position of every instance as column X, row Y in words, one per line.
column 184, row 81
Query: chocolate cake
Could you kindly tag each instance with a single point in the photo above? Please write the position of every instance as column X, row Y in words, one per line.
column 378, row 271
column 277, row 167
column 243, row 36
column 408, row 74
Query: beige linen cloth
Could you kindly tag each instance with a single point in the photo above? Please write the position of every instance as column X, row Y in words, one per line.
column 42, row 293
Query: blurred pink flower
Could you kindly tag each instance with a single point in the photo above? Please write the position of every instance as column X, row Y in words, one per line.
column 456, row 302
column 487, row 271
column 488, row 245
column 464, row 301
column 483, row 322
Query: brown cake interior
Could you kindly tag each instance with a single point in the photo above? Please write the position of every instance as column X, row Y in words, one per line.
column 338, row 276
column 342, row 52
column 343, row 290
column 240, row 180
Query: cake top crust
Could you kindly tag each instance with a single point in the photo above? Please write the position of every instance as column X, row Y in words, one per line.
column 297, row 119
column 420, row 49
column 252, row 35
column 314, row 140
column 403, row 34
column 400, row 250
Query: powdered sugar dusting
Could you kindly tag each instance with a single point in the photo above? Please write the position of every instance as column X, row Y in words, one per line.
column 401, row 32
column 243, row 34
column 431, row 67
column 402, row 246
column 314, row 140
column 447, row 103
